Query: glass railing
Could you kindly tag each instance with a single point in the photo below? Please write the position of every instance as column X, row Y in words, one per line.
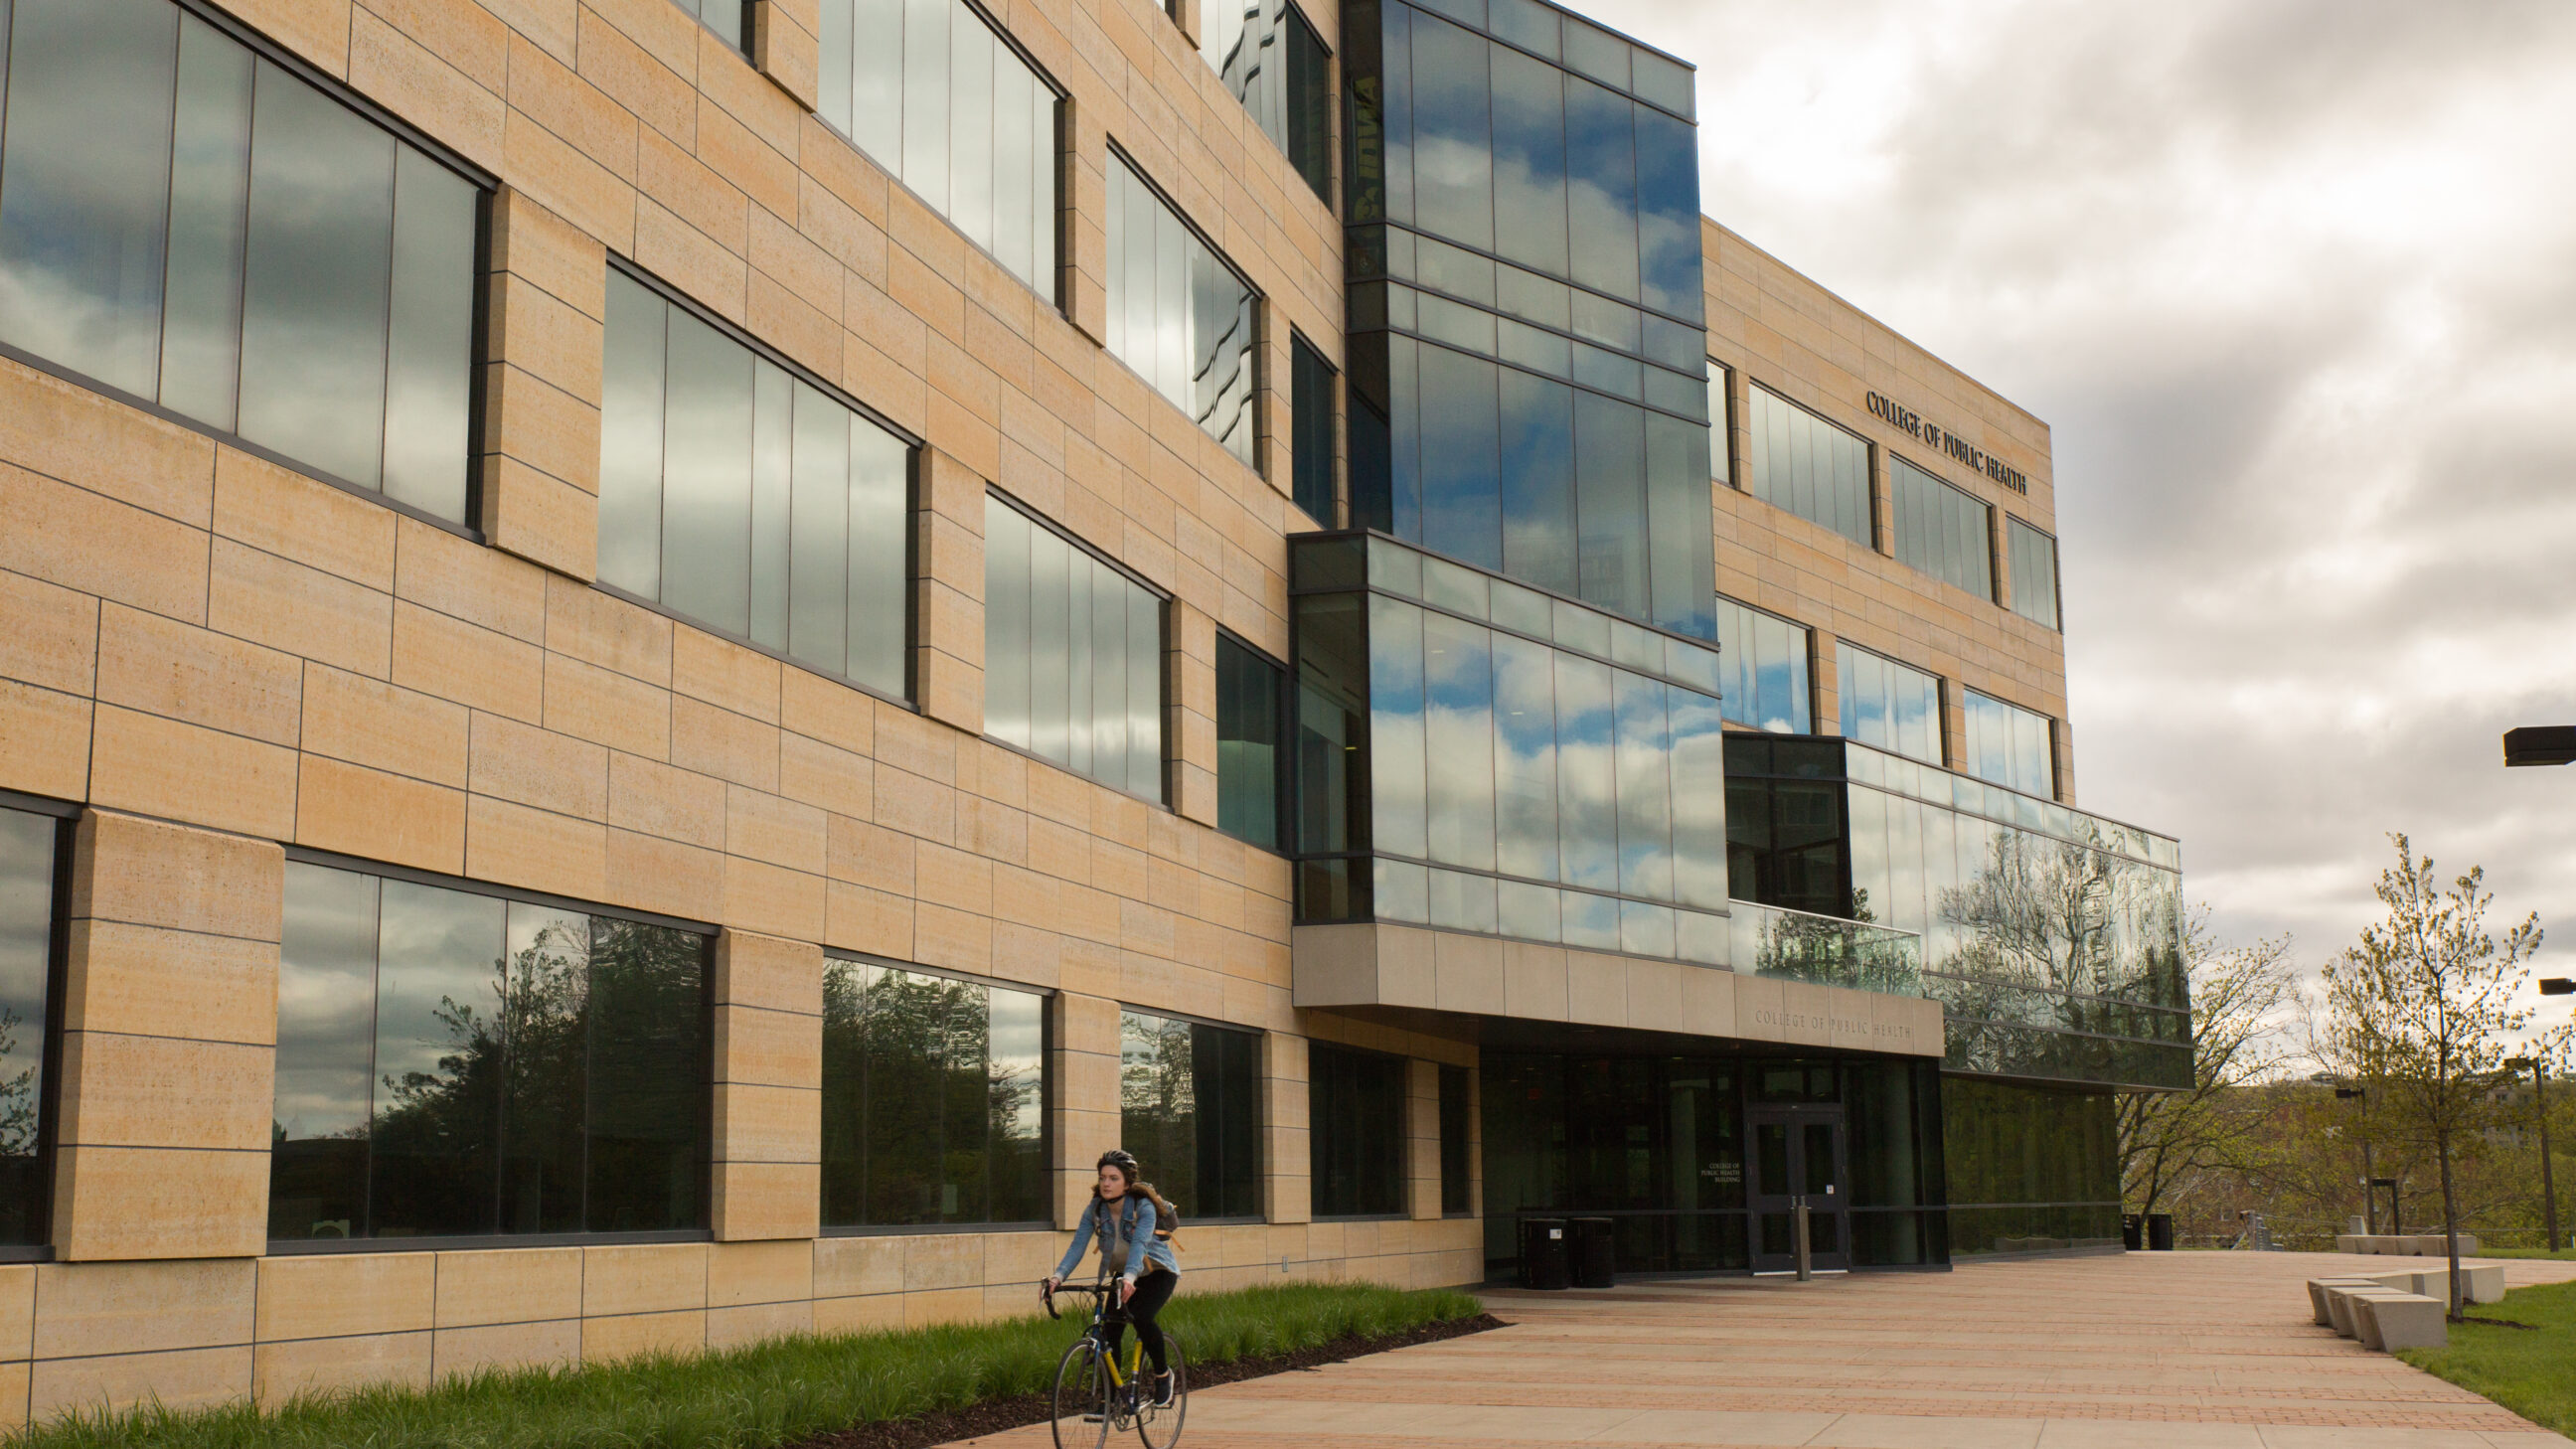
column 1824, row 950
column 1865, row 765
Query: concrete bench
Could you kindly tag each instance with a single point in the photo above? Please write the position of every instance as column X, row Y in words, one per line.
column 2342, row 1307
column 2391, row 1321
column 2317, row 1294
column 2477, row 1284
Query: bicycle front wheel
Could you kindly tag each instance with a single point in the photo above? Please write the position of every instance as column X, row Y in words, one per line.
column 1161, row 1428
column 1082, row 1397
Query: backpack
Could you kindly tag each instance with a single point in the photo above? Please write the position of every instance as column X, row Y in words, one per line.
column 1165, row 1223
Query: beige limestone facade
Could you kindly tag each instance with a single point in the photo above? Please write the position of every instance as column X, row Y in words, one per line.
column 210, row 658
column 1772, row 327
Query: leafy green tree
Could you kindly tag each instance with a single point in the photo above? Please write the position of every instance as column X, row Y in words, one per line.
column 2421, row 1009
column 2237, row 993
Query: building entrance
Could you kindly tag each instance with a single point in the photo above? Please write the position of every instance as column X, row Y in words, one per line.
column 1800, row 1155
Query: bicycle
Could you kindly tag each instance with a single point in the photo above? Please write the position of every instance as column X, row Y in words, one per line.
column 1093, row 1386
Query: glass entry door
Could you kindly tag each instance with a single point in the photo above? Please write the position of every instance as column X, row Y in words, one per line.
column 1798, row 1156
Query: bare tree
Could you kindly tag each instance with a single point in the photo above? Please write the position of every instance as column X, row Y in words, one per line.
column 2422, row 1004
column 2168, row 1138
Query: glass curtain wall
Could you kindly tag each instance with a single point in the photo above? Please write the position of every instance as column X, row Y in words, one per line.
column 1276, row 65
column 2052, row 938
column 1358, row 1102
column 934, row 1099
column 1810, row 467
column 2030, row 1168
column 1763, row 662
column 1528, row 375
column 1785, row 836
column 1887, row 705
column 2008, row 745
column 1189, row 1107
column 31, row 849
column 740, row 496
column 185, row 221
column 2033, row 560
column 1942, row 530
column 934, row 95
column 1251, row 717
column 1310, row 448
column 1179, row 313
column 1534, row 769
column 452, row 1063
column 1073, row 655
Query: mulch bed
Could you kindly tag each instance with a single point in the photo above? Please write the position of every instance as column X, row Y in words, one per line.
column 992, row 1416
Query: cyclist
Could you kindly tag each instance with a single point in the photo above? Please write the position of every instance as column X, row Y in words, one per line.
column 1124, row 1209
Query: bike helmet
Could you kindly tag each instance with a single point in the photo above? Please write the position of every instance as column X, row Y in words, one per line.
column 1120, row 1158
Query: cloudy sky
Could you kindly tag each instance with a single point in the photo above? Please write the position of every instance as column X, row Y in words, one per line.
column 2294, row 281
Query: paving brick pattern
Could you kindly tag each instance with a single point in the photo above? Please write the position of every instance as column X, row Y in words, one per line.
column 2142, row 1351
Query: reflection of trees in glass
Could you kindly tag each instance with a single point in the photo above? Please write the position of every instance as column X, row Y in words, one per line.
column 17, row 1091
column 924, row 1120
column 1834, row 952
column 2056, row 936
column 648, row 1077
column 1158, row 1102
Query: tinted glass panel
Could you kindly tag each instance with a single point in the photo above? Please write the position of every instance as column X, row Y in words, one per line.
column 28, row 846
column 1457, row 1193
column 1311, row 449
column 1249, row 714
column 1359, row 1105
column 699, row 439
column 2008, row 745
column 1189, row 1109
column 1270, row 58
column 2034, row 572
column 1808, row 466
column 934, row 1099
column 1765, row 663
column 928, row 90
column 451, row 1063
column 1073, row 655
column 1940, row 529
column 1178, row 313
column 1888, row 705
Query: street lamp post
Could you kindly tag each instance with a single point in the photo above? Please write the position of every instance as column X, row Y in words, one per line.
column 2369, row 1201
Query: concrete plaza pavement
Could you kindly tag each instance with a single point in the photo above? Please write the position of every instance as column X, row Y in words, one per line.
column 2139, row 1351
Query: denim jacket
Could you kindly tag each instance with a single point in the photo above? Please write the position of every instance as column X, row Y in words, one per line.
column 1136, row 1224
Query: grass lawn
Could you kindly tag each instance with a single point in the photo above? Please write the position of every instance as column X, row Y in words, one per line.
column 2533, row 1374
column 2563, row 1255
column 757, row 1397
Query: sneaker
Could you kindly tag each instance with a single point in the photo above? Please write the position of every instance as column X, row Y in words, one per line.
column 1162, row 1391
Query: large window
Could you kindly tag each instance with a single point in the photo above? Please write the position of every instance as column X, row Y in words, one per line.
column 1310, row 449
column 1764, row 659
column 1274, row 63
column 456, row 1063
column 934, row 1099
column 1802, row 463
column 2009, row 746
column 2033, row 560
column 187, row 222
column 729, row 19
column 1073, row 655
column 31, row 848
column 1940, row 529
column 1179, row 313
column 1531, row 769
column 936, row 97
column 1784, row 824
column 1357, row 1103
column 1189, row 1107
column 1888, row 705
column 737, row 494
column 1250, row 718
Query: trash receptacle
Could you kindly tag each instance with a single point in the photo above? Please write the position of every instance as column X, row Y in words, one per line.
column 2160, row 1232
column 1595, row 1262
column 2133, row 1231
column 1544, row 1253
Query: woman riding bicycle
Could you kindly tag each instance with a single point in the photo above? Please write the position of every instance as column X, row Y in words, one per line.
column 1122, row 1214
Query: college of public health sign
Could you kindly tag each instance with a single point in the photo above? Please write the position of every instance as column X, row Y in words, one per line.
column 1889, row 411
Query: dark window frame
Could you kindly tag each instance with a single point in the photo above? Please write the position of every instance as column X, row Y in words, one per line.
column 1046, row 1095
column 58, row 934
column 1401, row 1067
column 2056, row 571
column 1461, row 1203
column 913, row 448
column 748, row 20
column 1331, row 377
column 386, row 871
column 486, row 187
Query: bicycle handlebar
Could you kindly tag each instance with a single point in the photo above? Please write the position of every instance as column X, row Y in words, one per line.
column 1046, row 1294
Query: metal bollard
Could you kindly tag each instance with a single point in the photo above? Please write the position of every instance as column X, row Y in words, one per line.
column 1798, row 1226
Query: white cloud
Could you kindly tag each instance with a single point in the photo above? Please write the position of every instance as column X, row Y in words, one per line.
column 2294, row 282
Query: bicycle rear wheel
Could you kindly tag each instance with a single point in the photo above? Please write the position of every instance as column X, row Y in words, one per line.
column 1081, row 1397
column 1161, row 1428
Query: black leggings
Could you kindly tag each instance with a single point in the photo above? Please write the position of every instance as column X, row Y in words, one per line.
column 1153, row 1290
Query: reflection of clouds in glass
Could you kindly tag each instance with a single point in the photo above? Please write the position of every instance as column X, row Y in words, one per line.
column 437, row 947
